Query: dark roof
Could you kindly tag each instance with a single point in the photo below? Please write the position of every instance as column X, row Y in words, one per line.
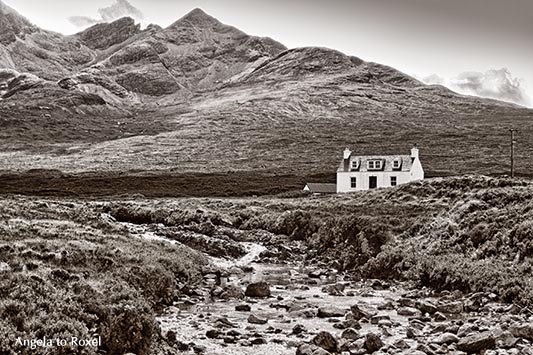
column 321, row 188
column 405, row 162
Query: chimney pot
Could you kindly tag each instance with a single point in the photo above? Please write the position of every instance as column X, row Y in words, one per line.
column 347, row 153
column 414, row 151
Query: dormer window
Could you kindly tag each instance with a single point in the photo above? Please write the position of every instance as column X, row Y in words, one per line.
column 396, row 164
column 375, row 164
column 355, row 164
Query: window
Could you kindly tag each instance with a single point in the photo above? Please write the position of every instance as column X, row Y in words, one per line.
column 396, row 164
column 353, row 182
column 393, row 181
column 355, row 164
column 374, row 164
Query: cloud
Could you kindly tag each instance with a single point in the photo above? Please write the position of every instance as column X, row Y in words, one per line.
column 496, row 84
column 120, row 8
column 82, row 21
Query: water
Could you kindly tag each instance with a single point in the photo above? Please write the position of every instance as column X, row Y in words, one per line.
column 290, row 286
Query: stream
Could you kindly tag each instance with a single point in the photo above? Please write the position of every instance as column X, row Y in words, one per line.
column 304, row 302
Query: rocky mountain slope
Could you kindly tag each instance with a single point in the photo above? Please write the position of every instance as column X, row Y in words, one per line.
column 200, row 95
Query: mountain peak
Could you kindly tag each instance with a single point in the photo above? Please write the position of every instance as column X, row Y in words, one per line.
column 197, row 17
column 105, row 35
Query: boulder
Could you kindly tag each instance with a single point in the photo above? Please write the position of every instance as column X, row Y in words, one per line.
column 359, row 312
column 477, row 342
column 326, row 341
column 378, row 318
column 310, row 349
column 243, row 307
column 426, row 307
column 329, row 312
column 231, row 292
column 258, row 290
column 298, row 329
column 446, row 338
column 350, row 334
column 334, row 290
column 373, row 342
column 451, row 307
column 257, row 320
column 522, row 331
column 407, row 311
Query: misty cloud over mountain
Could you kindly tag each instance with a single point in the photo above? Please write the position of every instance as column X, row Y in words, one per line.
column 113, row 12
column 495, row 83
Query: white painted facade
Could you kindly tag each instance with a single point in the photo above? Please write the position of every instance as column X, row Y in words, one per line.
column 359, row 173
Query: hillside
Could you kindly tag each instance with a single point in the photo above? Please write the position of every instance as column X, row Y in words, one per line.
column 203, row 97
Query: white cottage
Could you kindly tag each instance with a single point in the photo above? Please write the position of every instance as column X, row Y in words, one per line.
column 356, row 173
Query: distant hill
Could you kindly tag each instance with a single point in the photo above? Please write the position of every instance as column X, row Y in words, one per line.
column 202, row 96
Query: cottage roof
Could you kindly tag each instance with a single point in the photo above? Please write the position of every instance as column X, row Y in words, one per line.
column 321, row 188
column 388, row 163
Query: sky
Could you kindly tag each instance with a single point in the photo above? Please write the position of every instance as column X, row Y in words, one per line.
column 478, row 47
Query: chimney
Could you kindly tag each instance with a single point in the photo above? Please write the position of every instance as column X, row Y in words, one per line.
column 347, row 153
column 414, row 152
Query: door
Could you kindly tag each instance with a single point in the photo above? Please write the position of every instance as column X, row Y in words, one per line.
column 372, row 182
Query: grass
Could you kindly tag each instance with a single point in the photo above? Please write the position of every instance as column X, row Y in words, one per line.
column 471, row 233
column 257, row 127
column 73, row 273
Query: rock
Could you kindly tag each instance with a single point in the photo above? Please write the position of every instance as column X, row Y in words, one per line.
column 476, row 343
column 259, row 341
column 451, row 307
column 258, row 290
column 413, row 333
column 298, row 329
column 439, row 317
column 105, row 35
column 359, row 312
column 373, row 342
column 401, row 344
column 522, row 331
column 328, row 312
column 426, row 307
column 22, row 82
column 216, row 291
column 387, row 306
column 199, row 349
column 256, row 320
column 326, row 341
column 407, row 311
column 446, row 338
column 224, row 322
column 465, row 330
column 334, row 290
column 171, row 337
column 310, row 349
column 315, row 274
column 232, row 292
column 212, row 334
column 377, row 318
column 4, row 267
column 350, row 334
column 506, row 340
column 243, row 308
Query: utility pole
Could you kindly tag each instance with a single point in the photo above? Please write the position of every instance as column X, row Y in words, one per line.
column 512, row 151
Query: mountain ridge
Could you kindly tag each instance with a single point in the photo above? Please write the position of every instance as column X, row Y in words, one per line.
column 202, row 95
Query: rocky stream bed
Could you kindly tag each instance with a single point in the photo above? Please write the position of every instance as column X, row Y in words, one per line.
column 251, row 305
